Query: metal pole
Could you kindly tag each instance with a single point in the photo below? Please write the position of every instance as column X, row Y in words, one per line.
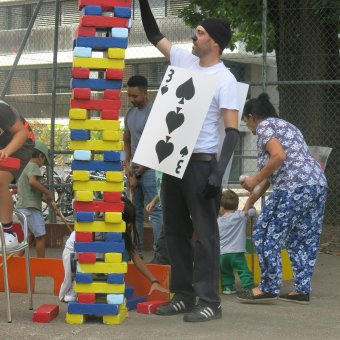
column 21, row 48
column 52, row 215
column 264, row 45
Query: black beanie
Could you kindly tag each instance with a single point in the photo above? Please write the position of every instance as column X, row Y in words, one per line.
column 219, row 30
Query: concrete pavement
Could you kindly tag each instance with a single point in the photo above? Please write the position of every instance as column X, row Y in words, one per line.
column 283, row 320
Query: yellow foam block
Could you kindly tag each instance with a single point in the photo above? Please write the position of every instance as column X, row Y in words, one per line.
column 95, row 124
column 100, row 227
column 98, row 63
column 84, row 196
column 81, row 175
column 114, row 176
column 98, row 186
column 96, row 145
column 78, row 114
column 112, row 135
column 115, row 53
column 99, row 287
column 74, row 319
column 113, row 217
column 115, row 319
column 113, row 257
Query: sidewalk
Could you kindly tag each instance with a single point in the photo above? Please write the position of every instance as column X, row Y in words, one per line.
column 319, row 320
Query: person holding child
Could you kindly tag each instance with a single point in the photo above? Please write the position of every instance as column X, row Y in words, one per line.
column 232, row 227
column 16, row 140
column 292, row 215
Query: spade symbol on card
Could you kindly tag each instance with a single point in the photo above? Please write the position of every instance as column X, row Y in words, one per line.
column 164, row 89
column 164, row 149
column 184, row 151
column 174, row 119
column 185, row 91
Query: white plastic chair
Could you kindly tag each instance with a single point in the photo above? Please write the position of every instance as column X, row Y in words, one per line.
column 23, row 245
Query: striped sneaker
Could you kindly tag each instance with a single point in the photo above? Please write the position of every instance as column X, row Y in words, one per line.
column 201, row 313
column 176, row 306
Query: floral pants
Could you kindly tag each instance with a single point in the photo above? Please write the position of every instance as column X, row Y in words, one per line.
column 293, row 219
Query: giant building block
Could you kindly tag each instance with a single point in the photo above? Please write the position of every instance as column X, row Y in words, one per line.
column 96, row 104
column 45, row 313
column 105, row 3
column 10, row 163
column 96, row 145
column 103, row 21
column 98, row 63
column 100, row 43
column 96, row 84
column 100, row 226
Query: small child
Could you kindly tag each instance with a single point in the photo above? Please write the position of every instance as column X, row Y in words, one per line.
column 232, row 227
column 67, row 294
column 31, row 193
column 16, row 140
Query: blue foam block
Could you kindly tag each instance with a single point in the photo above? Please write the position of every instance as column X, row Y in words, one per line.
column 113, row 237
column 115, row 278
column 80, row 135
column 100, row 247
column 84, row 216
column 115, row 299
column 119, row 32
column 122, row 12
column 132, row 302
column 92, row 10
column 114, row 156
column 96, row 84
column 96, row 165
column 82, row 52
column 101, row 43
column 84, row 277
column 129, row 291
column 92, row 308
column 82, row 155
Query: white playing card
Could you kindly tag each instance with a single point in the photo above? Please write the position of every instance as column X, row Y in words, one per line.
column 175, row 120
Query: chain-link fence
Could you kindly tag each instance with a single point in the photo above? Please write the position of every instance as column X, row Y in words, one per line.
column 289, row 49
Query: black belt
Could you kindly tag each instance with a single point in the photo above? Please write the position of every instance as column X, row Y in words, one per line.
column 204, row 157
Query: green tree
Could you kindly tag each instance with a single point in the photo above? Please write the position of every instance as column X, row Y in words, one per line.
column 305, row 37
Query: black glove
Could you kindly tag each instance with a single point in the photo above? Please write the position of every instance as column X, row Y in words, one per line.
column 149, row 23
column 213, row 187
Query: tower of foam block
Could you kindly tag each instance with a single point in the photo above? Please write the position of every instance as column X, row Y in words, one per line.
column 96, row 139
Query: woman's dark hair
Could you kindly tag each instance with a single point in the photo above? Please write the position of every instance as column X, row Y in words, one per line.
column 129, row 216
column 260, row 107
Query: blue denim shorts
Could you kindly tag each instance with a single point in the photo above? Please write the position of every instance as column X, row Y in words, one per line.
column 35, row 221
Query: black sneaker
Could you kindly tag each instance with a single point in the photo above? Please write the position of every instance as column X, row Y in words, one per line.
column 175, row 306
column 302, row 298
column 201, row 313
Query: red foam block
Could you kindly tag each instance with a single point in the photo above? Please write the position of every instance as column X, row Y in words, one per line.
column 114, row 73
column 86, row 297
column 84, row 236
column 149, row 307
column 45, row 313
column 98, row 206
column 82, row 31
column 96, row 104
column 87, row 257
column 112, row 197
column 80, row 93
column 109, row 115
column 10, row 163
column 103, row 21
column 112, row 94
column 80, row 72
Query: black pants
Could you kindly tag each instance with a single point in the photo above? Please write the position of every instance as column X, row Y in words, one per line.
column 194, row 270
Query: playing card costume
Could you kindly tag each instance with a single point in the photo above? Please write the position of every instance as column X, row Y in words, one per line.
column 190, row 205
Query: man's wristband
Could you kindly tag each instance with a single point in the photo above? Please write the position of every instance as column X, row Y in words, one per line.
column 154, row 281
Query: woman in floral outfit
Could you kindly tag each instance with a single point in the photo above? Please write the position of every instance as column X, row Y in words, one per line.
column 293, row 214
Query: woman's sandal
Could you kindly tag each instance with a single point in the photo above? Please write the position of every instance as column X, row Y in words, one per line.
column 249, row 297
